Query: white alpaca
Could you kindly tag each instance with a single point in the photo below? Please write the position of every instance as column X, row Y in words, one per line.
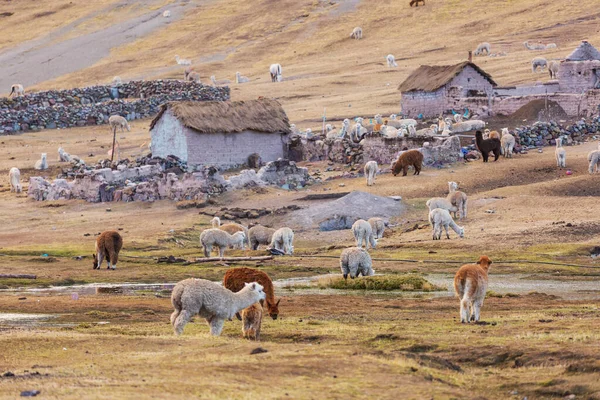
column 355, row 261
column 219, row 83
column 508, row 143
column 14, row 177
column 370, row 172
column 63, row 156
column 283, row 240
column 594, row 160
column 258, row 235
column 402, row 132
column 561, row 154
column 534, row 46
column 481, row 47
column 378, row 226
column 357, row 33
column 439, row 218
column 42, row 163
column 441, row 202
column 182, row 61
column 117, row 81
column 344, row 130
column 211, row 301
column 17, row 89
column 538, row 62
column 553, row 69
column 221, row 239
column 276, row 72
column 167, row 14
column 240, row 79
column 193, row 76
column 116, row 121
column 458, row 199
column 388, row 131
column 431, row 131
column 363, row 233
column 391, row 60
column 551, row 46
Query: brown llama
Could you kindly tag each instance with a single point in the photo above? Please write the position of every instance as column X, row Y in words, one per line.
column 252, row 321
column 108, row 245
column 485, row 146
column 470, row 285
column 416, row 2
column 235, row 278
column 406, row 159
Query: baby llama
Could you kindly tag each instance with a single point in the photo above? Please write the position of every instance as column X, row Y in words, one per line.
column 14, row 177
column 561, row 154
column 470, row 285
column 370, row 172
column 108, row 245
column 211, row 301
column 252, row 321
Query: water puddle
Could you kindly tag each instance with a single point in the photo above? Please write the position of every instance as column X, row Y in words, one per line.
column 24, row 320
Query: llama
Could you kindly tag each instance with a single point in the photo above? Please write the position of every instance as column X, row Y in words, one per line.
column 439, row 218
column 538, row 62
column 42, row 163
column 481, row 47
column 507, row 143
column 416, row 2
column 230, row 228
column 470, row 286
column 357, row 33
column 391, row 60
column 283, row 239
column 406, row 159
column 276, row 72
column 355, row 261
column 222, row 82
column 486, row 146
column 240, row 79
column 458, row 118
column 553, row 69
column 561, row 154
column 211, row 301
column 458, row 199
column 252, row 321
column 116, row 82
column 363, row 233
column 494, row 135
column 63, row 156
column 14, row 177
column 441, row 202
column 108, row 245
column 370, row 172
column 594, row 160
column 167, row 14
column 182, row 61
column 377, row 226
column 534, row 46
column 221, row 239
column 186, row 72
column 17, row 90
column 117, row 121
column 193, row 76
column 236, row 278
column 551, row 46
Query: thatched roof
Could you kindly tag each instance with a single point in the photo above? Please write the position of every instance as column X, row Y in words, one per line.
column 429, row 78
column 584, row 52
column 263, row 115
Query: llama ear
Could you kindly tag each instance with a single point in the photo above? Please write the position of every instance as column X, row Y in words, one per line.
column 253, row 286
column 478, row 261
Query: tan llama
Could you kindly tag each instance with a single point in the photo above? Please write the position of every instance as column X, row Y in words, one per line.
column 470, row 285
column 251, row 321
column 108, row 245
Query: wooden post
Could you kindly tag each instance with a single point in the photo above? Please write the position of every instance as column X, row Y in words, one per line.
column 112, row 155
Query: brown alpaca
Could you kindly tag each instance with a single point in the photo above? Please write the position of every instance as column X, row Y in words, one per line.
column 251, row 321
column 416, row 2
column 494, row 135
column 470, row 285
column 486, row 146
column 406, row 159
column 108, row 245
column 235, row 278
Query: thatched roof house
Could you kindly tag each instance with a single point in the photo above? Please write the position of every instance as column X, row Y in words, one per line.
column 223, row 134
column 431, row 90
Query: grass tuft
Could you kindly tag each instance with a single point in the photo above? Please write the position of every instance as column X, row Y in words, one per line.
column 380, row 282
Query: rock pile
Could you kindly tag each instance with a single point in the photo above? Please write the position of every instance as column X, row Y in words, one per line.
column 95, row 104
column 545, row 133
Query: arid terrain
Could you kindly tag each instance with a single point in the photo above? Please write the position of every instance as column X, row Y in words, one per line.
column 75, row 332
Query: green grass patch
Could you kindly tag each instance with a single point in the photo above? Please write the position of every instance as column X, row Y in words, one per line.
column 384, row 282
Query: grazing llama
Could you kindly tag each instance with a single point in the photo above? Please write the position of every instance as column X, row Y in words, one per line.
column 108, row 245
column 470, row 285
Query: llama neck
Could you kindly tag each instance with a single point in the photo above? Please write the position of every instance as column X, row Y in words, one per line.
column 455, row 227
column 243, row 299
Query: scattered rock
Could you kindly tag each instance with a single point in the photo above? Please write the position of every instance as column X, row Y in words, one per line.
column 30, row 393
column 258, row 350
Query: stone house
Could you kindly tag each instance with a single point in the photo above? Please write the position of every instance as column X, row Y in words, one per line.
column 580, row 70
column 221, row 134
column 432, row 90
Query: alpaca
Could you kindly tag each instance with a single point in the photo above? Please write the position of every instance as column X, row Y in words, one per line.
column 222, row 82
column 416, row 2
column 441, row 202
column 116, row 121
column 370, row 172
column 211, row 301
column 182, row 61
column 481, row 47
column 534, row 46
column 458, row 118
column 406, row 159
column 193, row 76
column 470, row 286
column 355, row 261
column 108, row 245
column 363, row 233
column 276, row 72
column 63, row 156
column 283, row 239
column 221, row 239
column 431, row 131
column 594, row 160
column 14, row 177
column 240, row 79
column 17, row 90
column 378, row 226
column 389, row 132
column 458, row 199
column 507, row 143
column 561, row 154
column 538, row 62
column 258, row 235
column 116, row 82
column 494, row 135
column 551, row 46
column 391, row 60
column 42, row 163
column 357, row 33
column 236, row 278
column 230, row 228
column 553, row 69
column 252, row 321
column 439, row 218
column 486, row 146
column 167, row 14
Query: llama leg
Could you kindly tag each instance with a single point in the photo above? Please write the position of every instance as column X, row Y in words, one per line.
column 207, row 250
column 174, row 316
column 100, row 258
column 216, row 326
column 477, row 310
column 405, row 170
column 180, row 322
column 464, row 311
column 221, row 251
column 446, row 229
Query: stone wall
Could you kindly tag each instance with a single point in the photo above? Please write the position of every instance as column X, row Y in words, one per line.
column 577, row 76
column 470, row 80
column 95, row 104
column 430, row 104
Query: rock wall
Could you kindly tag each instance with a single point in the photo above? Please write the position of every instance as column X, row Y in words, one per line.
column 95, row 104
